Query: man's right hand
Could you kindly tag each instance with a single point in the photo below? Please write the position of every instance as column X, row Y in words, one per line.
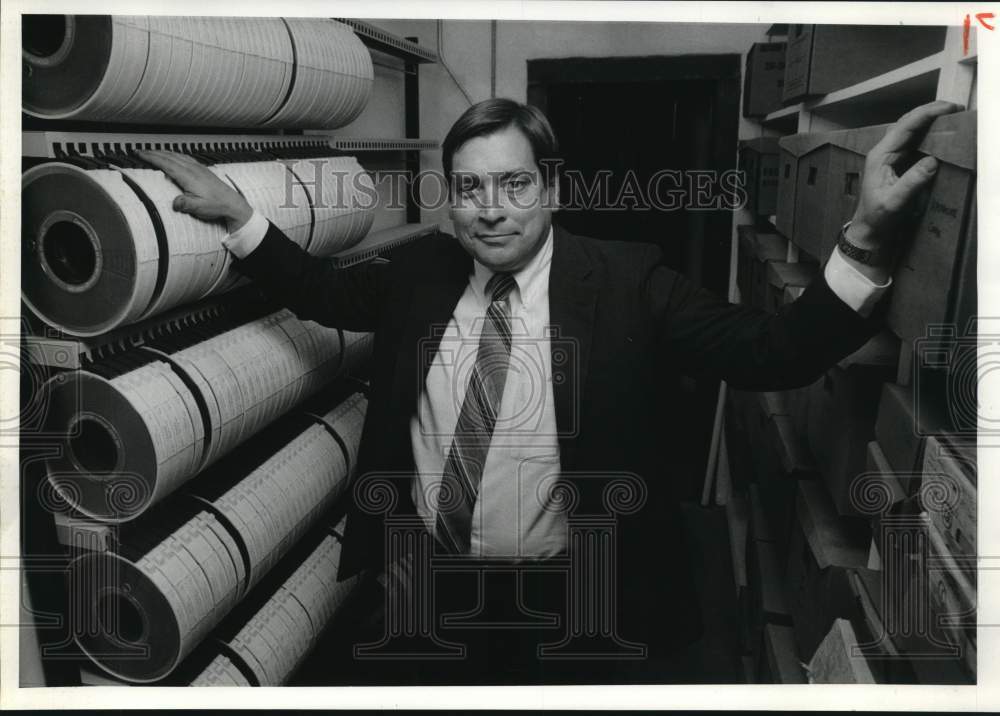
column 205, row 195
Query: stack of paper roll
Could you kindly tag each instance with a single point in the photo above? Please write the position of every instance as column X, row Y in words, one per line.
column 145, row 607
column 208, row 71
column 104, row 248
column 133, row 439
column 276, row 638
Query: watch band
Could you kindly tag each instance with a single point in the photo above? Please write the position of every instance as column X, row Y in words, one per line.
column 869, row 257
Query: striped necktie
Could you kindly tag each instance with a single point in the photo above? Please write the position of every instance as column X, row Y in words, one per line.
column 463, row 467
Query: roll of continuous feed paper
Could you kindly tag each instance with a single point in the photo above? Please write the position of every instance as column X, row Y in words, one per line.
column 128, row 441
column 279, row 635
column 233, row 72
column 269, row 509
column 168, row 586
column 131, row 440
column 89, row 256
column 333, row 76
column 206, row 71
column 343, row 198
column 251, row 375
column 192, row 255
column 81, row 66
column 142, row 609
column 103, row 248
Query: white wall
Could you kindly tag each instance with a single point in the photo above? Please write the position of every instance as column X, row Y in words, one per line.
column 465, row 47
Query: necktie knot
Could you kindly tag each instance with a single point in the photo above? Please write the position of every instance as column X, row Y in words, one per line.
column 500, row 286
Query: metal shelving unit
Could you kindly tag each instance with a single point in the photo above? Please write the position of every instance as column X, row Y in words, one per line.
column 49, row 351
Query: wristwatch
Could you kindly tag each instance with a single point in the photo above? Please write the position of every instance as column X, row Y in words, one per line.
column 870, row 257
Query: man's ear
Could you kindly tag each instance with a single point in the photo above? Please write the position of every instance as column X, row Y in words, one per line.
column 552, row 194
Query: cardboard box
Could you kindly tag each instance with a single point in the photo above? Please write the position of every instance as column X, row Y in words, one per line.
column 876, row 463
column 782, row 275
column 780, row 663
column 779, row 453
column 901, row 432
column 828, row 186
column 823, row 58
column 950, row 498
column 824, row 548
column 759, row 162
column 934, row 282
column 757, row 250
column 836, row 660
column 790, row 149
column 764, row 78
column 843, row 406
column 937, row 614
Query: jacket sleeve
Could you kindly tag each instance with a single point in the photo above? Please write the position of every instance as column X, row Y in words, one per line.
column 748, row 347
column 312, row 287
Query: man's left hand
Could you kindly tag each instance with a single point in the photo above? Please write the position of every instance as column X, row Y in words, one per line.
column 884, row 195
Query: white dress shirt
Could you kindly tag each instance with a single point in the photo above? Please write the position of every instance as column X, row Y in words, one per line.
column 516, row 515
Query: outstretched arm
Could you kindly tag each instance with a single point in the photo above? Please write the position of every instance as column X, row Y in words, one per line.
column 756, row 350
column 310, row 286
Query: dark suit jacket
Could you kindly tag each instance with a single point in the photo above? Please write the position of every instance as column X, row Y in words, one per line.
column 629, row 319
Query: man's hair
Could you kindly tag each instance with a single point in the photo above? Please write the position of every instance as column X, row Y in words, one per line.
column 494, row 115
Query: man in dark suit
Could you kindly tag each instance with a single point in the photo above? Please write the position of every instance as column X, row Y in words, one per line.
column 513, row 366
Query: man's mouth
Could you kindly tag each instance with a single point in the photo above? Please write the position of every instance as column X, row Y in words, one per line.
column 493, row 238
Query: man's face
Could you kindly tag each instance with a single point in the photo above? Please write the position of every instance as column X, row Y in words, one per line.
column 501, row 208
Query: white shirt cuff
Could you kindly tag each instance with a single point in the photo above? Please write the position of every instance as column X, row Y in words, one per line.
column 851, row 286
column 245, row 239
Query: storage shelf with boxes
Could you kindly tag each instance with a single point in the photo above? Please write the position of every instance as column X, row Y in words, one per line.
column 888, row 434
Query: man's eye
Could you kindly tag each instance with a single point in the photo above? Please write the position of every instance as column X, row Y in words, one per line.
column 517, row 185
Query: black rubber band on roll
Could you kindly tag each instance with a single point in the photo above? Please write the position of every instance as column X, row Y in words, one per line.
column 238, row 661
column 233, row 532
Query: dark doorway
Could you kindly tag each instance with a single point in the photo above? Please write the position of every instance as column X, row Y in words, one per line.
column 631, row 118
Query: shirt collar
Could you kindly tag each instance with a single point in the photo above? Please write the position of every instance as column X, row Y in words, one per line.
column 530, row 278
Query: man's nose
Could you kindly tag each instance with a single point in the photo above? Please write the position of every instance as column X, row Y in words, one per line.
column 491, row 211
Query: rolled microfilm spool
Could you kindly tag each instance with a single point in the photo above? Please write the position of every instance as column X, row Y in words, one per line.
column 90, row 258
column 324, row 76
column 153, row 595
column 128, row 441
column 82, row 66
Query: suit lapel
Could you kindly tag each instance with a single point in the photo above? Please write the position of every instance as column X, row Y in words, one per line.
column 572, row 303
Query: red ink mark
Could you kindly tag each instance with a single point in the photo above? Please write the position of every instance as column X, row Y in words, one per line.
column 965, row 36
column 983, row 17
